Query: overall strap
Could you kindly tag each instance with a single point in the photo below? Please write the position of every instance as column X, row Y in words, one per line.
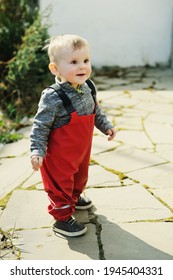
column 65, row 99
column 93, row 89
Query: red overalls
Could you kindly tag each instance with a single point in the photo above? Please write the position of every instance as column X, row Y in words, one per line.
column 65, row 167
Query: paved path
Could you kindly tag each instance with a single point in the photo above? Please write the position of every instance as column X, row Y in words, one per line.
column 130, row 183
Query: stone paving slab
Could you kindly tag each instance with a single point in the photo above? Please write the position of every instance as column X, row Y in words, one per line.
column 154, row 107
column 127, row 123
column 1, row 211
column 127, row 159
column 126, row 204
column 101, row 144
column 26, row 210
column 166, row 94
column 164, row 194
column 149, row 96
column 165, row 151
column 15, row 149
column 135, row 113
column 13, row 171
column 137, row 139
column 137, row 241
column 160, row 118
column 160, row 133
column 34, row 180
column 107, row 94
column 167, row 155
column 123, row 101
column 26, row 130
column 159, row 176
column 98, row 176
column 43, row 244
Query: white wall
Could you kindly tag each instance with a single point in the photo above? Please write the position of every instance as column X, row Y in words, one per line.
column 120, row 32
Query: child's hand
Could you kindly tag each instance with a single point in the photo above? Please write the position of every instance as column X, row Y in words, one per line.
column 36, row 162
column 111, row 132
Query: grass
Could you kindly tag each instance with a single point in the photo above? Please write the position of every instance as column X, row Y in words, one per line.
column 7, row 130
column 7, row 246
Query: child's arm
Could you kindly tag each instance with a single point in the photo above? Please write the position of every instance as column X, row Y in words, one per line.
column 103, row 124
column 42, row 124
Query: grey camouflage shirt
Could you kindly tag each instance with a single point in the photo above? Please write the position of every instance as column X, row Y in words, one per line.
column 51, row 114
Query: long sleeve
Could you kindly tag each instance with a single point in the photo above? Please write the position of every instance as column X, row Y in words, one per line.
column 42, row 124
column 101, row 121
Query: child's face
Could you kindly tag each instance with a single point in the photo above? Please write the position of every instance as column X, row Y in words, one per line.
column 74, row 66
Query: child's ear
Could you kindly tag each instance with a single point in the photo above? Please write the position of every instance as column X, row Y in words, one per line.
column 53, row 68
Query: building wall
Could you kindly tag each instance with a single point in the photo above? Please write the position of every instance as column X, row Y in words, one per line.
column 120, row 32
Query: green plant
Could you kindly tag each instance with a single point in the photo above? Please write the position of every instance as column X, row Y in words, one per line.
column 8, row 130
column 7, row 245
column 9, row 137
column 15, row 18
column 28, row 70
column 23, row 64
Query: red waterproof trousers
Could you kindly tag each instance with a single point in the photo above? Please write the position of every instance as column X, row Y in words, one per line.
column 65, row 167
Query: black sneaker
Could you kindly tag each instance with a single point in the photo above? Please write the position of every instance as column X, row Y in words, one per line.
column 69, row 228
column 83, row 203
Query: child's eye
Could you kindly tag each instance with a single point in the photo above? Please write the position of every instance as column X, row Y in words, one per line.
column 86, row 60
column 74, row 62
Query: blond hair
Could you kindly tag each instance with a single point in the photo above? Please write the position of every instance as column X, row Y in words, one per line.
column 57, row 43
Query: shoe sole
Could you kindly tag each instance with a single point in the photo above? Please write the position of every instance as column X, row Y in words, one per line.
column 70, row 234
column 83, row 207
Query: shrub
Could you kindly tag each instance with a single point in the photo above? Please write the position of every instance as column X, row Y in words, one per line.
column 23, row 64
column 15, row 18
column 28, row 71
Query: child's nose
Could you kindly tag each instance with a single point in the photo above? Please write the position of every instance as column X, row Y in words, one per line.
column 82, row 65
